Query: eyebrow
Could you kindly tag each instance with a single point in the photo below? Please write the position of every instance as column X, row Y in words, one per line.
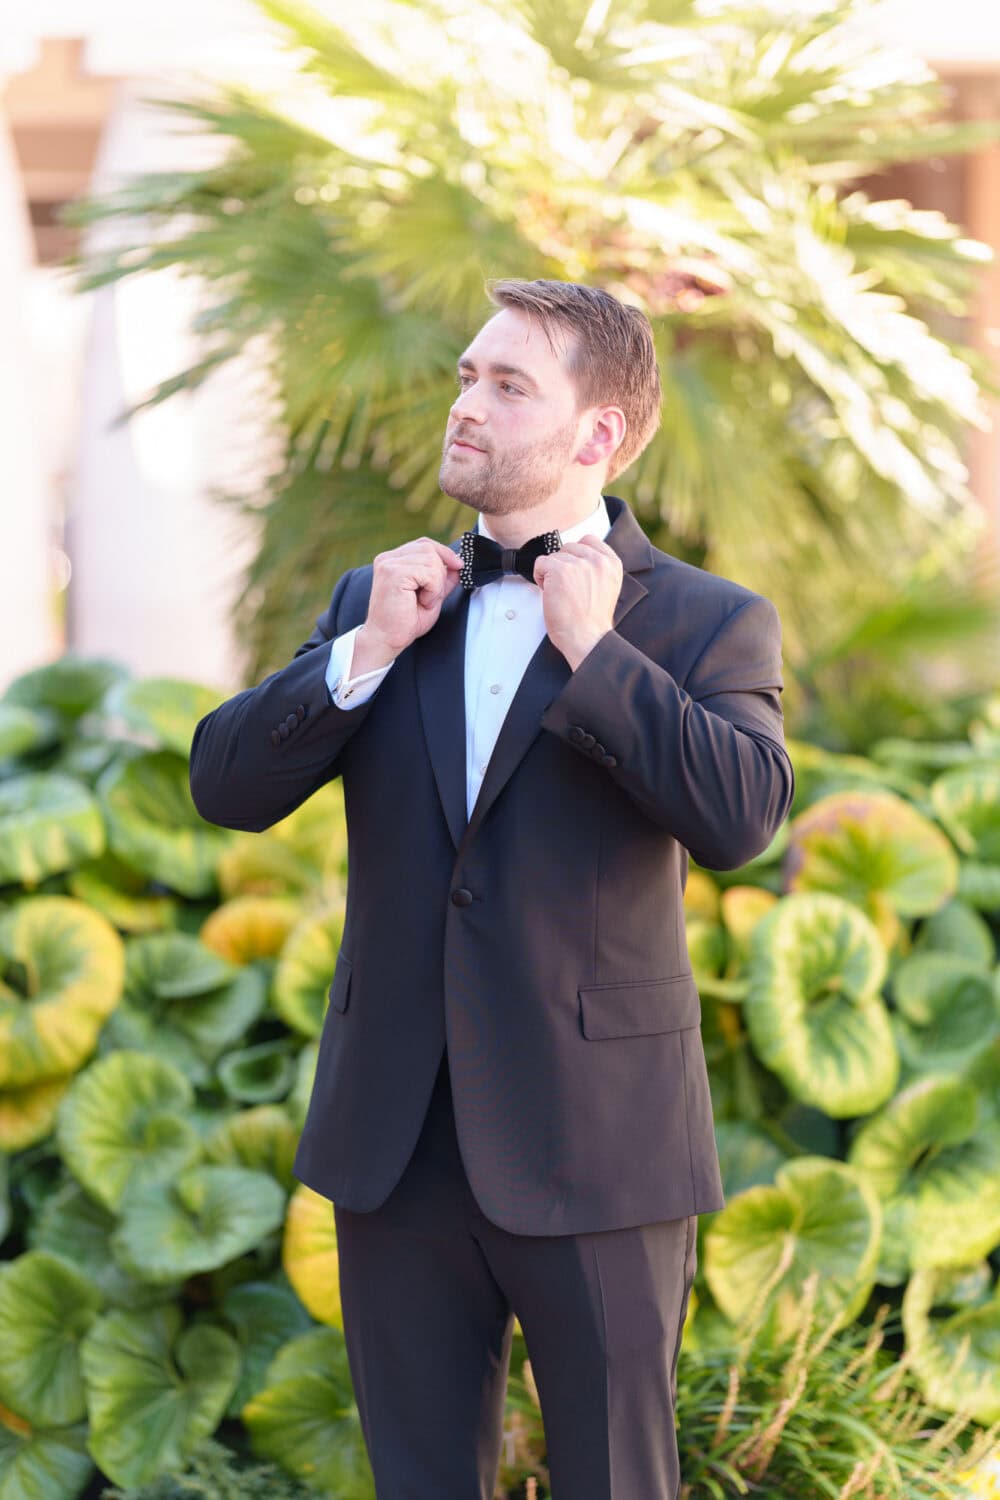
column 495, row 369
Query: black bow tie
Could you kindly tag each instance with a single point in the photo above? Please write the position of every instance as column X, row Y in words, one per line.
column 484, row 560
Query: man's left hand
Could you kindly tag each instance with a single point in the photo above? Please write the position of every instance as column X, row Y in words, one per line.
column 580, row 585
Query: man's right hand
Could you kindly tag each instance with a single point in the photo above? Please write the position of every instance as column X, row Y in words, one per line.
column 409, row 586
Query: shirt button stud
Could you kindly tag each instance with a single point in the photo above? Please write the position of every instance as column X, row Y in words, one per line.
column 511, row 613
column 495, row 688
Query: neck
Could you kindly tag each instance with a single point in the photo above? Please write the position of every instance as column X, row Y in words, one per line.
column 516, row 527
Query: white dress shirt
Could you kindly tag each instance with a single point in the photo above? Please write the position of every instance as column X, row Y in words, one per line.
column 506, row 625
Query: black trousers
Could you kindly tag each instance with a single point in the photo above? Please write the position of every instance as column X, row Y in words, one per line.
column 430, row 1288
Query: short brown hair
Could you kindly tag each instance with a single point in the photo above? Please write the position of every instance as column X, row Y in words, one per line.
column 614, row 360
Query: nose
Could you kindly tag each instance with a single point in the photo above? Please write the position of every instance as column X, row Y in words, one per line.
column 468, row 406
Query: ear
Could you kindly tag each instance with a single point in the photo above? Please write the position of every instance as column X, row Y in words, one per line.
column 607, row 432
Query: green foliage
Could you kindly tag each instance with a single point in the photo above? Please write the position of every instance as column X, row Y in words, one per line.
column 701, row 162
column 836, row 1413
column 165, row 1280
column 212, row 1472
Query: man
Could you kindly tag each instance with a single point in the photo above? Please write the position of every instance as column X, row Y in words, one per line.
column 534, row 724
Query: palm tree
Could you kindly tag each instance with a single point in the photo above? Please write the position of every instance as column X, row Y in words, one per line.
column 697, row 159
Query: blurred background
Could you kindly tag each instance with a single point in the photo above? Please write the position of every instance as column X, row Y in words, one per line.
column 810, row 222
column 241, row 247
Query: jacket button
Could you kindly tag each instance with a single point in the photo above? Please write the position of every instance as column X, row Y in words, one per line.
column 461, row 897
column 599, row 751
column 609, row 760
column 587, row 741
column 275, row 737
column 284, row 730
column 292, row 721
column 300, row 711
column 576, row 733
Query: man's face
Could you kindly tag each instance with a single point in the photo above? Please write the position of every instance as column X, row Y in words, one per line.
column 514, row 431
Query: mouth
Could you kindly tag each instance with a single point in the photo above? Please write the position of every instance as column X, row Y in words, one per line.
column 469, row 447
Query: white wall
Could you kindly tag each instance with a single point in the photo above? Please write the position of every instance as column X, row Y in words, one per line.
column 29, row 629
column 157, row 563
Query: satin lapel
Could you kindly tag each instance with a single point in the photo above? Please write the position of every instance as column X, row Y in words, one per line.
column 544, row 678
column 440, row 669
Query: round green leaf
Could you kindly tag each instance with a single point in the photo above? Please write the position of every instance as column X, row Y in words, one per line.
column 967, row 802
column 48, row 823
column 191, row 993
column 317, row 833
column 28, row 1114
column 257, row 1075
column 76, row 1227
column 264, row 1317
column 70, row 964
column 979, row 884
column 165, row 709
column 125, row 1117
column 820, row 1216
column 813, row 1008
column 153, row 824
column 173, row 966
column 263, row 1139
column 948, row 1011
column 46, row 1307
column 870, row 848
column 936, row 1168
column 250, row 928
column 47, row 1465
column 820, row 773
column 302, row 976
column 24, row 730
column 957, row 928
column 154, row 1391
column 956, row 1359
column 708, row 948
column 131, row 1030
column 297, row 1102
column 306, row 1418
column 122, row 894
column 207, row 1216
column 68, row 687
column 309, row 1254
column 747, row 1155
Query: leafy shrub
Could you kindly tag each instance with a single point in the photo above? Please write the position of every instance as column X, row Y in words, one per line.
column 160, row 1042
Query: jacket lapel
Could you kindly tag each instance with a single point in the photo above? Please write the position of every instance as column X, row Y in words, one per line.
column 440, row 670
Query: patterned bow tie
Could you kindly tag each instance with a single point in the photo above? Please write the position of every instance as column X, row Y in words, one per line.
column 484, row 560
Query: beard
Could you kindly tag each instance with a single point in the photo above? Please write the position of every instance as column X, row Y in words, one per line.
column 519, row 478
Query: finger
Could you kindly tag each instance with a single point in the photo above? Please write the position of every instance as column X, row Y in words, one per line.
column 572, row 551
column 589, row 543
column 451, row 559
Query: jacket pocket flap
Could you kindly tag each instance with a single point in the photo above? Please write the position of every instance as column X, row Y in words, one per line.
column 642, row 1009
column 340, row 986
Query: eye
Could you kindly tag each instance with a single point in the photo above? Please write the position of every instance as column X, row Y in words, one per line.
column 505, row 385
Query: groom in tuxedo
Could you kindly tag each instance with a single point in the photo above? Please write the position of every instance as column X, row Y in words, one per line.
column 535, row 724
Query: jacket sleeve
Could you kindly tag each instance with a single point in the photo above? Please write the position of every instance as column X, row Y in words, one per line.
column 261, row 754
column 708, row 761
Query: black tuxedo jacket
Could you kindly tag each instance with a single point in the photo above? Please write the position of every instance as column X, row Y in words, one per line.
column 542, row 938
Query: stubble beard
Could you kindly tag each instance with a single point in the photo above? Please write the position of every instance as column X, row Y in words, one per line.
column 519, row 479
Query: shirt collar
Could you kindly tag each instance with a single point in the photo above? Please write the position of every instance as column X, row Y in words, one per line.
column 598, row 523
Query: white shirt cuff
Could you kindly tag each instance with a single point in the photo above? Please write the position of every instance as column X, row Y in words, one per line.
column 345, row 690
